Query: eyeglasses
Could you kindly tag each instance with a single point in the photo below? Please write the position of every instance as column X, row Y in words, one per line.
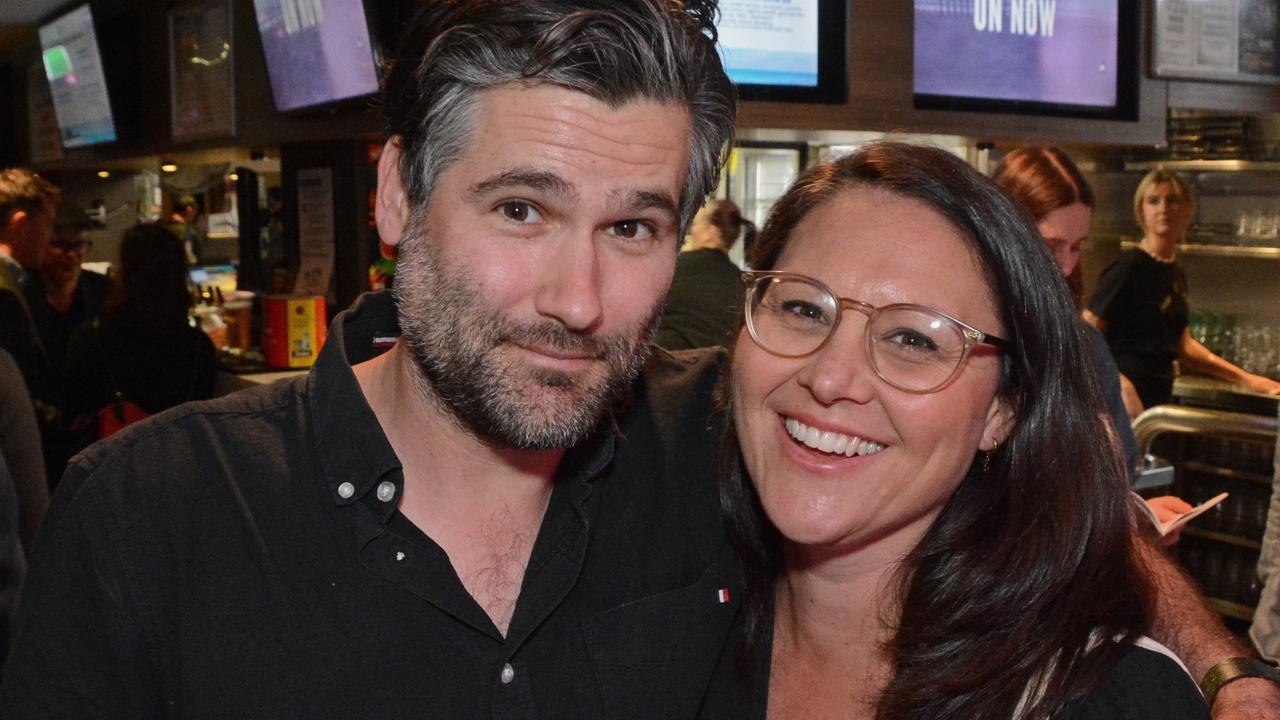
column 911, row 347
column 78, row 246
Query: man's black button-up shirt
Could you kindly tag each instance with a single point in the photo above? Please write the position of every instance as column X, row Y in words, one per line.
column 244, row 557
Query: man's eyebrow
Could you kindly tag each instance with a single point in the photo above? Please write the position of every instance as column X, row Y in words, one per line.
column 640, row 200
column 540, row 180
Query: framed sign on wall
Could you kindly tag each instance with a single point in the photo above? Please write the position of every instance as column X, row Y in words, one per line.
column 201, row 71
column 1230, row 40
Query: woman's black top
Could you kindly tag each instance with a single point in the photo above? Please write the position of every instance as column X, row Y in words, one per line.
column 1143, row 685
column 1144, row 304
column 155, row 368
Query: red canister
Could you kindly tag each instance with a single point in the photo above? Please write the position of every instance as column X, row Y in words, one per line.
column 293, row 329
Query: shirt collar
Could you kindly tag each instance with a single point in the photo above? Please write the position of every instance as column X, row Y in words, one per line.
column 19, row 274
column 349, row 440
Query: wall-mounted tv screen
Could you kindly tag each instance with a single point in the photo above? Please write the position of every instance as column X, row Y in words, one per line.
column 1074, row 58
column 317, row 51
column 785, row 51
column 73, row 65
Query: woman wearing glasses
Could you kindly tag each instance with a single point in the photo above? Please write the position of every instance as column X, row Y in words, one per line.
column 929, row 523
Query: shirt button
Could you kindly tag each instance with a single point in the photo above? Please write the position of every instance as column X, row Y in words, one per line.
column 346, row 490
column 386, row 491
column 508, row 674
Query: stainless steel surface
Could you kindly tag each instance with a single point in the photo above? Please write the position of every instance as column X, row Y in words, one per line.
column 1240, row 251
column 1152, row 472
column 1206, row 165
column 1204, row 391
column 1175, row 418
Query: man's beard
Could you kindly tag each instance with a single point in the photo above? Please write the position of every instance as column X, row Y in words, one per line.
column 457, row 343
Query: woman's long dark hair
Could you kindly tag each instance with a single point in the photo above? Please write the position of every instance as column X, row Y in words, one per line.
column 1028, row 579
column 1044, row 179
column 150, row 290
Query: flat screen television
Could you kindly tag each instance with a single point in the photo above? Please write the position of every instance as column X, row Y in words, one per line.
column 791, row 51
column 73, row 66
column 1072, row 58
column 318, row 52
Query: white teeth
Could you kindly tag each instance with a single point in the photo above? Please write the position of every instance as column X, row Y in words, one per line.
column 830, row 442
column 811, row 437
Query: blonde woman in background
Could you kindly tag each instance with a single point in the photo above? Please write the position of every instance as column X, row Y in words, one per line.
column 1140, row 304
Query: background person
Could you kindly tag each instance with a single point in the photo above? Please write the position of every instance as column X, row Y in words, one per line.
column 182, row 223
column 27, row 204
column 942, row 534
column 1052, row 189
column 704, row 304
column 142, row 344
column 13, row 563
column 1047, row 183
column 1140, row 303
column 20, row 447
column 63, row 295
column 1049, row 186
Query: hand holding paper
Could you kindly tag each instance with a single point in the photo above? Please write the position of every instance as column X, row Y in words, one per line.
column 1177, row 521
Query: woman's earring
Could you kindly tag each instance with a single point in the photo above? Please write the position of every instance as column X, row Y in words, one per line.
column 986, row 458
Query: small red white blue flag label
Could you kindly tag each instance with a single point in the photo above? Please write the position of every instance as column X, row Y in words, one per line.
column 722, row 595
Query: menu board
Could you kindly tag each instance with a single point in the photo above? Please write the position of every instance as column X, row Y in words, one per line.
column 1233, row 40
column 315, row 231
column 201, row 78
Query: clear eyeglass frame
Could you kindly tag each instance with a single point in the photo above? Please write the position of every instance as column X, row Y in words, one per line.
column 755, row 281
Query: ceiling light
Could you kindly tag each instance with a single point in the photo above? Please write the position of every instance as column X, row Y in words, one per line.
column 169, row 167
column 104, row 174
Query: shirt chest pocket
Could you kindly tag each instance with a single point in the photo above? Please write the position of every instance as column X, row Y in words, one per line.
column 654, row 657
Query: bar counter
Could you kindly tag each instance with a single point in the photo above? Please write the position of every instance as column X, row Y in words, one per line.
column 1205, row 391
column 229, row 382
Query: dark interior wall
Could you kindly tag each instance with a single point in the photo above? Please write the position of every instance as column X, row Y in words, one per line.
column 17, row 49
column 880, row 39
column 880, row 60
column 139, row 31
column 880, row 53
column 8, row 120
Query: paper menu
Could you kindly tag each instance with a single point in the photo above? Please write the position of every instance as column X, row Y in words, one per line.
column 1177, row 522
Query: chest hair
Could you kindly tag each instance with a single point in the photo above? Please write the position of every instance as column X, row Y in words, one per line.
column 493, row 560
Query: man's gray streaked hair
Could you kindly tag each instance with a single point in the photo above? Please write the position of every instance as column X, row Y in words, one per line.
column 616, row 51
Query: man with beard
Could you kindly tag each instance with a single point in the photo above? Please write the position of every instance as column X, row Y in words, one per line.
column 500, row 516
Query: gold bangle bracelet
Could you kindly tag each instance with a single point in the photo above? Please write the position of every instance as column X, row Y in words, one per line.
column 1233, row 669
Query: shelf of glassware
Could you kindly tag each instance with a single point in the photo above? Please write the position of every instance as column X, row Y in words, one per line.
column 1266, row 247
column 1205, row 165
column 1255, row 252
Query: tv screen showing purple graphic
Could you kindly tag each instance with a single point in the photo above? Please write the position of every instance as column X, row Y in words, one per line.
column 317, row 51
column 1051, row 52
